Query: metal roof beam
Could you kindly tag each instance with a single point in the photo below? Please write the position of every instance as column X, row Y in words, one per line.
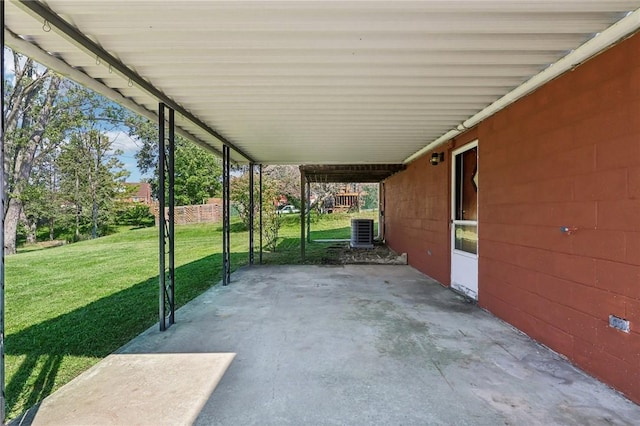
column 346, row 173
column 49, row 61
column 54, row 20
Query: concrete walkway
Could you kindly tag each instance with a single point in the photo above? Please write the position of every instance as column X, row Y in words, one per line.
column 349, row 345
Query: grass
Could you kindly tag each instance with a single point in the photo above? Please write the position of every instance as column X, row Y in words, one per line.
column 68, row 307
column 324, row 227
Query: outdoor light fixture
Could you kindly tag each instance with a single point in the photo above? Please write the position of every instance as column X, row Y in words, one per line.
column 437, row 158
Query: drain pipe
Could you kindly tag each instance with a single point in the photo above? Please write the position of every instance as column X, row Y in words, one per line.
column 621, row 29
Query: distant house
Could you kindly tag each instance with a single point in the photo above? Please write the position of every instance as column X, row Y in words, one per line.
column 282, row 201
column 346, row 201
column 348, row 198
column 138, row 192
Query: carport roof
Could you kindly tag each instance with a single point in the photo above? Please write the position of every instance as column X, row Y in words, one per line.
column 363, row 173
column 315, row 82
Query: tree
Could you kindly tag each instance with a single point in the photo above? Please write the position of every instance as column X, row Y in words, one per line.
column 239, row 195
column 41, row 110
column 134, row 214
column 41, row 204
column 325, row 194
column 369, row 195
column 198, row 172
column 286, row 179
column 33, row 124
column 90, row 177
column 271, row 221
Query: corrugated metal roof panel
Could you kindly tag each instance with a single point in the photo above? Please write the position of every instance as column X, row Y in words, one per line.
column 322, row 81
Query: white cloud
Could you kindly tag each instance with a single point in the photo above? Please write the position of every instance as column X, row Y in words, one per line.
column 122, row 141
column 9, row 66
column 8, row 61
column 129, row 147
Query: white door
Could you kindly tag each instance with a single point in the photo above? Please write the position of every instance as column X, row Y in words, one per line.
column 464, row 220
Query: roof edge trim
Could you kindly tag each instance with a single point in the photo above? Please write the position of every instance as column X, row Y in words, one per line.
column 61, row 67
column 621, row 29
column 83, row 42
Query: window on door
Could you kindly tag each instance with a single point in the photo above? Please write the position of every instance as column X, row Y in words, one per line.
column 466, row 201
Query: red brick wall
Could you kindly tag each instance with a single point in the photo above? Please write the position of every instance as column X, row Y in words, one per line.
column 566, row 155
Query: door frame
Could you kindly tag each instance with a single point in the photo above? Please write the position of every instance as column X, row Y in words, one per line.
column 470, row 258
column 381, row 212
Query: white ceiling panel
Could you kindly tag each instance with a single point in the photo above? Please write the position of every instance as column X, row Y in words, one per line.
column 315, row 81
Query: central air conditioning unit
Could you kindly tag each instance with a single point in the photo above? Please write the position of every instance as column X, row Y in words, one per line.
column 361, row 233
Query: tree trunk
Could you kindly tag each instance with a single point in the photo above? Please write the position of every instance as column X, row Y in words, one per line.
column 11, row 220
column 19, row 160
column 94, row 218
column 78, row 209
column 78, row 213
column 93, row 183
column 32, row 237
column 51, row 229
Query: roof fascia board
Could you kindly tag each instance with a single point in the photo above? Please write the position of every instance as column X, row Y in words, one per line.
column 79, row 39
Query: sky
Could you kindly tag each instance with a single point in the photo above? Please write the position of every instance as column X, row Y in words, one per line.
column 121, row 140
column 129, row 147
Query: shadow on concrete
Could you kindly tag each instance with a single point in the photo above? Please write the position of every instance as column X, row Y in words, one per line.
column 99, row 328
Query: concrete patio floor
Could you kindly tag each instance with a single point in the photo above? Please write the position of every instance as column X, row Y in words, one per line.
column 339, row 345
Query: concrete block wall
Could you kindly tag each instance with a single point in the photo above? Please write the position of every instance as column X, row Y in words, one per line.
column 566, row 155
column 417, row 216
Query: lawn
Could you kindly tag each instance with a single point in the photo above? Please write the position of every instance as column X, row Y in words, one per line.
column 323, row 227
column 68, row 307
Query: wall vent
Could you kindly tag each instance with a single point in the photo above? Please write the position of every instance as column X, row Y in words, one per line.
column 619, row 323
column 362, row 233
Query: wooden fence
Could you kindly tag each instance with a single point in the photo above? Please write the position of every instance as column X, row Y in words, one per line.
column 201, row 213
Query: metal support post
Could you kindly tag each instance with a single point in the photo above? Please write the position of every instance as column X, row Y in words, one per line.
column 161, row 215
column 260, row 211
column 226, row 246
column 171, row 296
column 380, row 211
column 308, row 201
column 302, row 214
column 252, row 214
column 166, row 221
column 3, row 199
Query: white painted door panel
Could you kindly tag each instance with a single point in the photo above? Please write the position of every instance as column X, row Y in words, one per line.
column 464, row 220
